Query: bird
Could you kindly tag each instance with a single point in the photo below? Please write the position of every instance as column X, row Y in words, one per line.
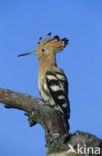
column 52, row 81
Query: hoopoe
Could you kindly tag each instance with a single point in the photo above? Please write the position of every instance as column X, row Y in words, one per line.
column 52, row 82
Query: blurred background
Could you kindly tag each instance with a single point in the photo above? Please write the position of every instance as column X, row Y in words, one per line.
column 22, row 22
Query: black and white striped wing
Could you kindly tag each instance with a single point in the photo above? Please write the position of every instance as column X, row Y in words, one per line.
column 58, row 87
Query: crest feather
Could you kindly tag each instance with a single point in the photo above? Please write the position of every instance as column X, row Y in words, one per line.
column 55, row 43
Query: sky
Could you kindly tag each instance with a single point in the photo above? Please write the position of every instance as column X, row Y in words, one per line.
column 22, row 22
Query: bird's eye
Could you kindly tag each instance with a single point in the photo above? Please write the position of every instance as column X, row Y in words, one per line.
column 42, row 50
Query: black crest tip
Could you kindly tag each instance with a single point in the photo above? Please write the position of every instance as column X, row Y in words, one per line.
column 65, row 40
column 57, row 37
column 40, row 38
column 49, row 33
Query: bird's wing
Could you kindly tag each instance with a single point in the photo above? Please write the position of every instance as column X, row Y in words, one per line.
column 58, row 87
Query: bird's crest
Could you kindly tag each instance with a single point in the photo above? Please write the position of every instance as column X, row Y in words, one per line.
column 55, row 43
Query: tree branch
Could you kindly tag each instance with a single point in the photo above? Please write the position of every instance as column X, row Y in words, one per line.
column 56, row 127
column 82, row 140
column 39, row 112
column 42, row 112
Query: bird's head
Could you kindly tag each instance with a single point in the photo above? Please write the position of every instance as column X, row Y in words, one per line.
column 48, row 46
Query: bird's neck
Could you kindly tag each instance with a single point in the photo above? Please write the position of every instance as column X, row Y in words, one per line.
column 47, row 62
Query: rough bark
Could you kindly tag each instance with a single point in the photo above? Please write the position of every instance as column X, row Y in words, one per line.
column 56, row 128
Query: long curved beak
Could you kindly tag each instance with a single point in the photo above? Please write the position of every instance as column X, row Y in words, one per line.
column 29, row 53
